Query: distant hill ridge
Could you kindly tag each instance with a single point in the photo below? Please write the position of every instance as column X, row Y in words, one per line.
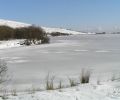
column 15, row 24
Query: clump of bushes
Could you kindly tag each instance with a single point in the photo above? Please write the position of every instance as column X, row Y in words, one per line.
column 6, row 33
column 32, row 34
column 84, row 79
column 58, row 34
column 101, row 33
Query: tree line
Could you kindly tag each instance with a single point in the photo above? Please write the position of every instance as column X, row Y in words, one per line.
column 59, row 34
column 31, row 33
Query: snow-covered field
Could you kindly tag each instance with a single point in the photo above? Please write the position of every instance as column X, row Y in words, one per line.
column 65, row 57
column 10, row 44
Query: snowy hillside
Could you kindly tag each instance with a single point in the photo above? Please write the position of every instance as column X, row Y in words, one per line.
column 50, row 30
column 15, row 24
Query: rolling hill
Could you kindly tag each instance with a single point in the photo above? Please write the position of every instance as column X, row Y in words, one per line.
column 15, row 24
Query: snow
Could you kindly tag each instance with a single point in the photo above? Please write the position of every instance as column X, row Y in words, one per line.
column 65, row 56
column 105, row 91
column 50, row 30
column 10, row 44
column 15, row 24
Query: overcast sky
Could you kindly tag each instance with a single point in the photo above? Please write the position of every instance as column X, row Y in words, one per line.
column 83, row 15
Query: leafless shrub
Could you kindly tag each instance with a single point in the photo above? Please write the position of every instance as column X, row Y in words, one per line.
column 50, row 82
column 31, row 90
column 3, row 71
column 115, row 77
column 4, row 95
column 85, row 76
column 14, row 92
column 60, row 85
column 72, row 82
column 98, row 82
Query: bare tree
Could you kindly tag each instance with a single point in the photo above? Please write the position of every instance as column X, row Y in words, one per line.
column 3, row 71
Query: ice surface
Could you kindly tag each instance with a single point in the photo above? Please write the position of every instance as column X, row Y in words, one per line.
column 64, row 56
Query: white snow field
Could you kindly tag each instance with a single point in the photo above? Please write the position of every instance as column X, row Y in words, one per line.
column 10, row 44
column 64, row 57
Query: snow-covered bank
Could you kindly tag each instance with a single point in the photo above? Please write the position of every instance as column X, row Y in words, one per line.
column 104, row 91
column 10, row 44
